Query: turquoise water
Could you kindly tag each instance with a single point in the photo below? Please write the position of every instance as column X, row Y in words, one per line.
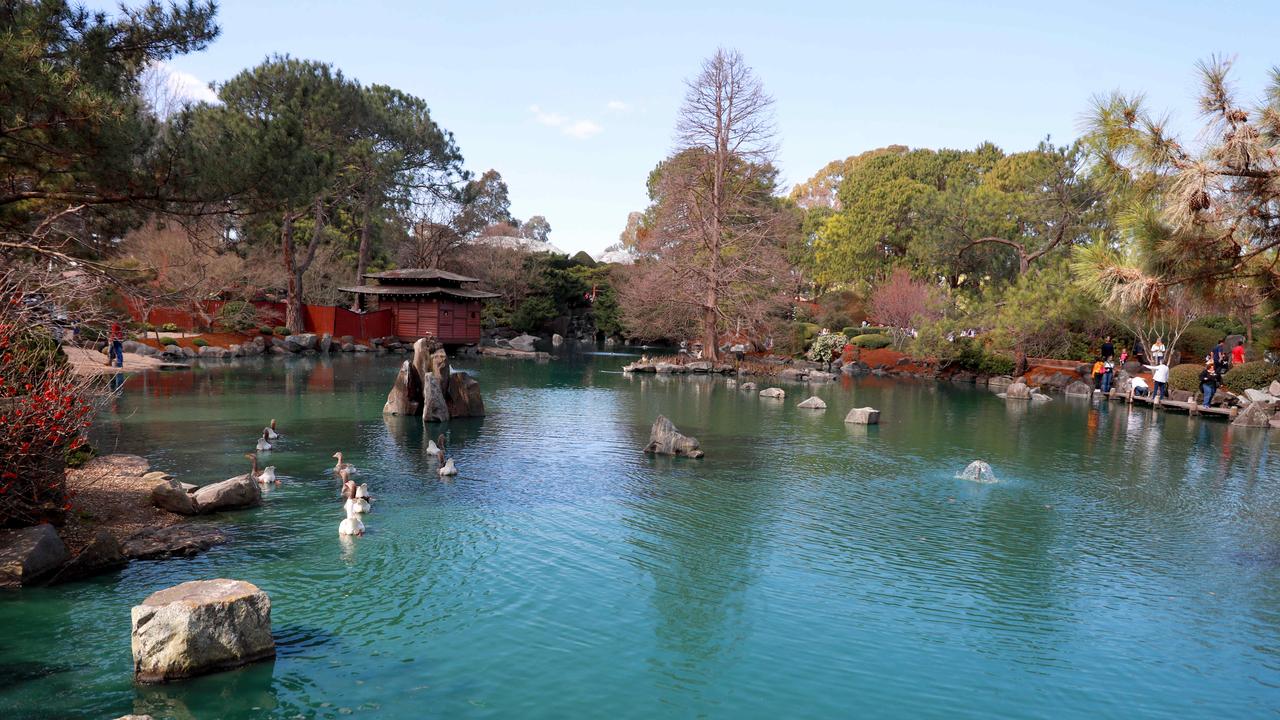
column 1127, row 564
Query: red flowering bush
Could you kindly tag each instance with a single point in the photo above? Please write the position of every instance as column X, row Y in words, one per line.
column 45, row 410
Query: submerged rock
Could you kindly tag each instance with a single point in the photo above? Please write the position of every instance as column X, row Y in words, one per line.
column 171, row 541
column 200, row 627
column 747, row 386
column 665, row 439
column 813, row 403
column 863, row 416
column 30, row 555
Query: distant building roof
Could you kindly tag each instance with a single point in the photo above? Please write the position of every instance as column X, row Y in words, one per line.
column 420, row 290
column 420, row 274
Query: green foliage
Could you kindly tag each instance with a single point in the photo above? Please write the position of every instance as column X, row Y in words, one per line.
column 839, row 309
column 851, row 332
column 266, row 330
column 827, row 347
column 582, row 258
column 170, row 327
column 532, row 314
column 1185, row 377
column 237, row 315
column 78, row 456
column 283, row 331
column 873, row 341
column 200, row 342
column 166, row 341
column 1197, row 341
column 1224, row 325
column 1258, row 374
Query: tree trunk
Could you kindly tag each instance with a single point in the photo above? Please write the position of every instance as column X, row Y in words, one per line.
column 1019, row 361
column 293, row 299
column 362, row 263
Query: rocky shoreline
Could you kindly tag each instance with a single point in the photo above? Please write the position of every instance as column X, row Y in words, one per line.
column 114, row 521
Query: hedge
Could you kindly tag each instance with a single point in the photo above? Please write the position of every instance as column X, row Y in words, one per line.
column 1185, row 377
column 200, row 342
column 871, row 341
column 166, row 341
column 1196, row 342
column 1258, row 374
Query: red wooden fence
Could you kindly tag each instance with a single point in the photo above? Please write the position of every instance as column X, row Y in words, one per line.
column 337, row 321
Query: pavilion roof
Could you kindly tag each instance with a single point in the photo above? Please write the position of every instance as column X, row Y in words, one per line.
column 420, row 290
column 421, row 274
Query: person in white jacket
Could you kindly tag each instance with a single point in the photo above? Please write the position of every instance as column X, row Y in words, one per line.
column 1159, row 376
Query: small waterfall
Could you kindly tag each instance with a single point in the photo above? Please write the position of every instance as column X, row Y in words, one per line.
column 978, row 471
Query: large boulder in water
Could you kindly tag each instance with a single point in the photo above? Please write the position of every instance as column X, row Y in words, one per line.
column 777, row 393
column 1256, row 414
column 863, row 416
column 29, row 555
column 234, row 493
column 524, row 342
column 463, row 397
column 1017, row 390
column 200, row 627
column 813, row 403
column 665, row 439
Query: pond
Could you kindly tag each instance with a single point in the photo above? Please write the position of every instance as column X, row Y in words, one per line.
column 1125, row 564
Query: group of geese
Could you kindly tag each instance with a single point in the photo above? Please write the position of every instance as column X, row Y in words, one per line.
column 356, row 498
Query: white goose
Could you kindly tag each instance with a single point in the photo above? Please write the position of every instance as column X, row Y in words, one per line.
column 263, row 445
column 448, row 468
column 432, row 448
column 351, row 525
column 266, row 475
column 343, row 466
column 270, row 431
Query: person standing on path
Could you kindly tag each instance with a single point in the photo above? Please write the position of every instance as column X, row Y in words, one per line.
column 1237, row 354
column 1219, row 356
column 1159, row 378
column 116, row 349
column 1097, row 375
column 1208, row 382
column 1108, row 349
column 1108, row 373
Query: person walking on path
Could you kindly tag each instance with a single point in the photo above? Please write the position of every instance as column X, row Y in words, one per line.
column 1158, row 351
column 1208, row 382
column 1237, row 354
column 115, row 350
column 1159, row 378
column 1108, row 349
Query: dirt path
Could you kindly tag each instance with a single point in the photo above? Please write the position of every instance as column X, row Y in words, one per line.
column 92, row 362
column 110, row 494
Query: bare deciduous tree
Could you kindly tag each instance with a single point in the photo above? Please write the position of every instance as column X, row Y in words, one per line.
column 715, row 248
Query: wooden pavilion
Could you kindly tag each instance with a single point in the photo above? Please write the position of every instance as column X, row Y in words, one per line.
column 427, row 302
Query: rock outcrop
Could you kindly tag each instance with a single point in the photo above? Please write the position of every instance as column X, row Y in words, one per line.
column 1255, row 414
column 30, row 555
column 863, row 416
column 813, row 403
column 524, row 342
column 665, row 439
column 234, row 493
column 427, row 386
column 1078, row 389
column 777, row 393
column 1017, row 390
column 200, row 627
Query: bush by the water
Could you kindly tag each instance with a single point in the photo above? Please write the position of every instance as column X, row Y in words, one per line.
column 282, row 331
column 1257, row 374
column 166, row 341
column 827, row 347
column 973, row 357
column 238, row 315
column 200, row 342
column 1185, row 377
column 871, row 341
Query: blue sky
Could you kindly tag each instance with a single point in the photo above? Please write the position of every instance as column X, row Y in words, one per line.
column 574, row 103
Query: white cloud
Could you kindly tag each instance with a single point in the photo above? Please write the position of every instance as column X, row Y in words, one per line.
column 580, row 129
column 186, row 86
column 617, row 106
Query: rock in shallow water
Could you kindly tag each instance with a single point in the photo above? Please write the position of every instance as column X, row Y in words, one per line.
column 813, row 403
column 101, row 555
column 234, row 493
column 200, row 627
column 171, row 541
column 778, row 393
column 665, row 439
column 863, row 416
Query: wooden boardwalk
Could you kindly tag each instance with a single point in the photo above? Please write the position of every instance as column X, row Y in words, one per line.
column 1189, row 407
